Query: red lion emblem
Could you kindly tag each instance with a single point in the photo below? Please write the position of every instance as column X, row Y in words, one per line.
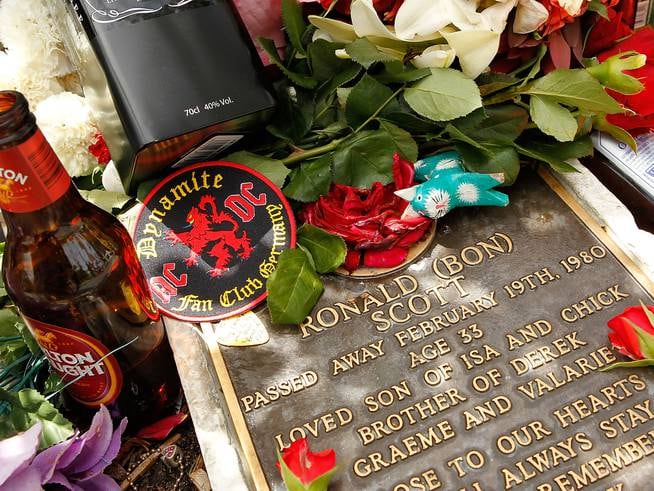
column 205, row 236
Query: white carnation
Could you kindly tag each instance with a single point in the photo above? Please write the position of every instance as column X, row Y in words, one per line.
column 30, row 32
column 65, row 120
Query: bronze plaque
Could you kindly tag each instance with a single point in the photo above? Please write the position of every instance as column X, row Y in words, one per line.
column 477, row 367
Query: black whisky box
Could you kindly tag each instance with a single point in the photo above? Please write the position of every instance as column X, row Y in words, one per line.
column 171, row 82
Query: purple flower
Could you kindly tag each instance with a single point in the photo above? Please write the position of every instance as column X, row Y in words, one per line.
column 76, row 464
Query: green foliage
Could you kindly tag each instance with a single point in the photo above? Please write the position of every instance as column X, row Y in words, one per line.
column 552, row 118
column 444, row 95
column 293, row 288
column 327, row 250
column 28, row 407
column 273, row 169
column 365, row 100
column 310, row 181
column 574, row 88
column 555, row 153
column 366, row 53
column 293, row 23
column 364, row 159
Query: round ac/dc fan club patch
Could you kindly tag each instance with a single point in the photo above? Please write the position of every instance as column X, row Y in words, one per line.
column 209, row 236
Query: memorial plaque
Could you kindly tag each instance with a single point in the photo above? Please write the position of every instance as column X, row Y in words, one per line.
column 477, row 367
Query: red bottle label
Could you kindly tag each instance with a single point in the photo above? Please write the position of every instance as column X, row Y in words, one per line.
column 31, row 176
column 74, row 355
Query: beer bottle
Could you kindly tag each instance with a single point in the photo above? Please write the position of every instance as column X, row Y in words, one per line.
column 72, row 271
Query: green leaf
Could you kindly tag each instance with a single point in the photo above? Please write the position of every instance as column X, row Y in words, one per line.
column 404, row 143
column 293, row 23
column 492, row 82
column 444, row 95
column 328, row 250
column 53, row 384
column 645, row 340
column 629, row 364
column 324, row 63
column 575, row 88
column 365, row 53
column 310, row 180
column 599, row 7
column 294, row 115
column 28, row 339
column 293, row 288
column 13, row 346
column 497, row 124
column 397, row 72
column 297, row 78
column 28, row 407
column 273, row 169
column 535, row 64
column 107, row 200
column 616, row 132
column 490, row 160
column 554, row 153
column 364, row 159
column 365, row 99
column 403, row 116
column 648, row 313
column 552, row 118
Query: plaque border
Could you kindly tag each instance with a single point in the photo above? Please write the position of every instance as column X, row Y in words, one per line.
column 248, row 451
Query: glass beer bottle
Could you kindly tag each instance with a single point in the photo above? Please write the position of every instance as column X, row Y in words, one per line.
column 72, row 271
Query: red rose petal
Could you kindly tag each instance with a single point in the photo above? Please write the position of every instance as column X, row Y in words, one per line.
column 162, row 428
column 352, row 259
column 306, row 465
column 389, row 258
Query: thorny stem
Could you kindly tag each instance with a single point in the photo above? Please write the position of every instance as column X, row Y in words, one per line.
column 296, row 157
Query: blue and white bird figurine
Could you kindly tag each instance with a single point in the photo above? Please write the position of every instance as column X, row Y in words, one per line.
column 440, row 164
column 449, row 186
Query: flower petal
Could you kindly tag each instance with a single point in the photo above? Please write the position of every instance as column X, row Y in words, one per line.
column 101, row 482
column 624, row 338
column 366, row 21
column 46, row 461
column 475, row 49
column 17, row 451
column 162, row 428
column 529, row 16
column 340, row 32
column 421, row 19
column 436, row 56
column 388, row 258
column 24, row 480
column 306, row 465
column 109, row 456
column 97, row 440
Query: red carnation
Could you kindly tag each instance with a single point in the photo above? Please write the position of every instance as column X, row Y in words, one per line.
column 100, row 150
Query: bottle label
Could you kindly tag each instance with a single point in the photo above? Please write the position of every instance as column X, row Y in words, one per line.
column 31, row 176
column 75, row 356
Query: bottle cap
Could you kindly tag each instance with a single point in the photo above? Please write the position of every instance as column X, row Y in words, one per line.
column 209, row 236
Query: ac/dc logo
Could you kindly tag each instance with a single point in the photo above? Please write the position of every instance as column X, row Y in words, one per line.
column 208, row 238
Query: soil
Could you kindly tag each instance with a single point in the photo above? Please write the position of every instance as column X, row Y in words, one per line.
column 159, row 476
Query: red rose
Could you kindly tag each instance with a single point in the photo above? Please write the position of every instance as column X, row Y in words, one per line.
column 605, row 32
column 306, row 466
column 369, row 219
column 386, row 7
column 642, row 103
column 625, row 337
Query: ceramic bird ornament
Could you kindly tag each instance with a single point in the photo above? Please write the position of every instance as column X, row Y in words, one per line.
column 449, row 186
